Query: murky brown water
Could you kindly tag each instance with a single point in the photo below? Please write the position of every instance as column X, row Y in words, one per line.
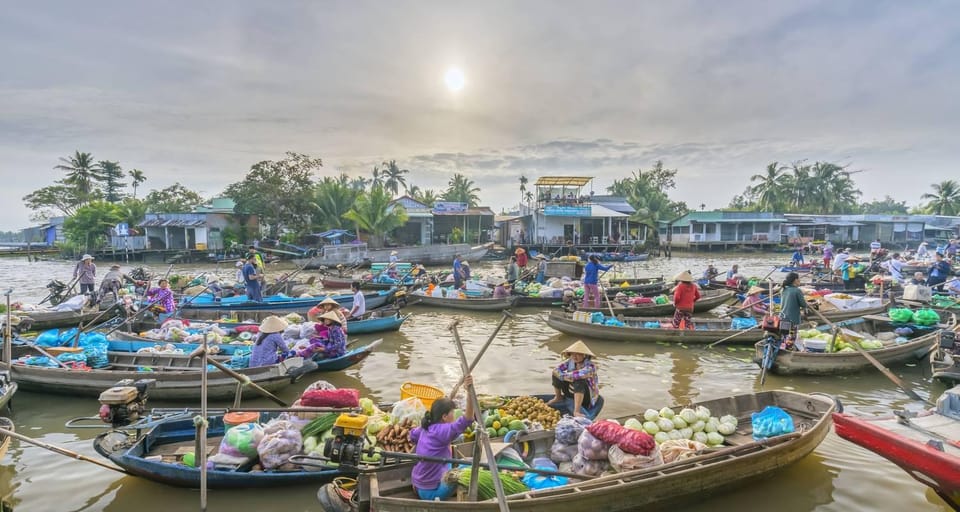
column 838, row 476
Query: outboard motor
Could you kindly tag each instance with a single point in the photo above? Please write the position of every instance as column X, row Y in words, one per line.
column 56, row 289
column 126, row 402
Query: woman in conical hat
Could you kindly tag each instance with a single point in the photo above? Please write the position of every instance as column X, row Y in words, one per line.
column 753, row 304
column 270, row 347
column 684, row 296
column 331, row 341
column 575, row 384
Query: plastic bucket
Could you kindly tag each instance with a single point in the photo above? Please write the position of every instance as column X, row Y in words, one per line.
column 232, row 419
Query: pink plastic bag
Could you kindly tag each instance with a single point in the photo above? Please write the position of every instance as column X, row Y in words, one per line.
column 343, row 397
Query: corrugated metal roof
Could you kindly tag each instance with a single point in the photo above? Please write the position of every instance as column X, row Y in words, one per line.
column 482, row 210
column 172, row 223
column 562, row 181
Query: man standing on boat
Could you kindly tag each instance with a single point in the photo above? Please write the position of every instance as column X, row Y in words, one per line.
column 251, row 280
column 457, row 273
column 939, row 271
column 359, row 302
column 256, row 259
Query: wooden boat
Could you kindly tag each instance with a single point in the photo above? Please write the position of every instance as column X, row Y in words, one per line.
column 8, row 388
column 926, row 446
column 790, row 362
column 945, row 360
column 708, row 330
column 157, row 455
column 358, row 254
column 6, row 424
column 277, row 304
column 43, row 320
column 176, row 381
column 529, row 301
column 644, row 290
column 467, row 304
column 740, row 460
column 709, row 300
column 379, row 320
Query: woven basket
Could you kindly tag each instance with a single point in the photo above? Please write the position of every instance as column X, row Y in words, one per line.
column 426, row 394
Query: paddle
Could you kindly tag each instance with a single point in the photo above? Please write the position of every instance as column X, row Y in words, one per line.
column 481, row 433
column 243, row 379
column 883, row 369
column 56, row 449
column 7, row 334
column 476, row 359
column 45, row 353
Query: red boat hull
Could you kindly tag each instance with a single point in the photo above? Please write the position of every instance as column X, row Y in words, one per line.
column 929, row 466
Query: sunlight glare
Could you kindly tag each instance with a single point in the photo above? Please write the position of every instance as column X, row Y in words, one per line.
column 454, row 79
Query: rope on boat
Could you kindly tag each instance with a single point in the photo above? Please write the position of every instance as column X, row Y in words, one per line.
column 200, row 420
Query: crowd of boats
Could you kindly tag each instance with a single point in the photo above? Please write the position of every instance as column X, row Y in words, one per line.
column 90, row 351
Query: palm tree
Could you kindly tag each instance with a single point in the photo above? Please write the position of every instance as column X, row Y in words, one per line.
column 378, row 177
column 82, row 175
column 428, row 197
column 111, row 173
column 375, row 213
column 137, row 176
column 462, row 190
column 359, row 183
column 332, row 198
column 394, row 177
column 529, row 196
column 945, row 198
column 771, row 187
column 523, row 187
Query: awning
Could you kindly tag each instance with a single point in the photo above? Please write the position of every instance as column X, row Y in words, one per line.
column 172, row 223
column 333, row 234
column 602, row 211
column 562, row 181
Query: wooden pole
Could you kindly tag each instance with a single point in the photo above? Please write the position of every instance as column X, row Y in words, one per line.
column 57, row 449
column 201, row 457
column 476, row 359
column 243, row 379
column 7, row 333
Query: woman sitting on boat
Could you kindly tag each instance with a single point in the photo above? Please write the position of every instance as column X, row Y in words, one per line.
column 330, row 341
column 270, row 348
column 501, row 291
column 161, row 298
column 432, row 438
column 576, row 387
column 684, row 296
column 753, row 304
column 327, row 305
column 791, row 302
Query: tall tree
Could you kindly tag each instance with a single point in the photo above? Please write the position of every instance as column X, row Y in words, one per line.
column 428, row 197
column 462, row 190
column 138, row 178
column 174, row 199
column 111, row 173
column 333, row 197
column 523, row 187
column 771, row 191
column 945, row 198
column 281, row 192
column 394, row 177
column 91, row 223
column 886, row 206
column 82, row 174
column 374, row 214
column 646, row 192
column 47, row 200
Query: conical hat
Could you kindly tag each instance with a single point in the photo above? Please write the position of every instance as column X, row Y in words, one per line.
column 331, row 315
column 578, row 347
column 329, row 300
column 273, row 324
column 684, row 276
column 754, row 289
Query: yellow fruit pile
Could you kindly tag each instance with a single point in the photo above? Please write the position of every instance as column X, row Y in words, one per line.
column 533, row 409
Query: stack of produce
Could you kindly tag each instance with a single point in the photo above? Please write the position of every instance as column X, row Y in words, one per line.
column 696, row 424
column 627, row 449
column 533, row 409
column 566, row 437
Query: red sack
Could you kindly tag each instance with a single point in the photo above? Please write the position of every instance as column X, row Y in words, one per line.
column 252, row 328
column 343, row 397
column 630, row 441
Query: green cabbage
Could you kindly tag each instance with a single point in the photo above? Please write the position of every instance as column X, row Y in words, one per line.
column 651, row 427
column 667, row 413
column 660, row 437
column 665, row 425
column 633, row 424
column 651, row 415
column 678, row 422
column 688, row 416
column 698, row 426
column 702, row 413
column 714, row 439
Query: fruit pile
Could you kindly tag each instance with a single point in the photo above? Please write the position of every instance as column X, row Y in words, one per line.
column 533, row 409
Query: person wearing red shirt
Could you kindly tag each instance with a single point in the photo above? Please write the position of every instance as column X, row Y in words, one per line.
column 521, row 257
column 684, row 296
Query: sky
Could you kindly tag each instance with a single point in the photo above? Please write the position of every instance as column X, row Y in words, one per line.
column 197, row 92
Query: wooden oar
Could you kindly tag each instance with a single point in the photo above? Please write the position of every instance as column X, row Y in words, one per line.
column 57, row 449
column 733, row 336
column 7, row 332
column 883, row 369
column 243, row 379
column 481, row 433
column 45, row 353
column 273, row 287
column 476, row 358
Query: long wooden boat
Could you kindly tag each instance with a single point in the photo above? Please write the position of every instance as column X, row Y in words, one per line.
column 7, row 424
column 8, row 388
column 790, row 362
column 175, row 382
column 529, row 301
column 280, row 304
column 926, row 446
column 709, row 300
column 945, row 360
column 644, row 290
column 836, row 315
column 158, row 454
column 358, row 254
column 43, row 320
column 379, row 320
column 466, row 304
column 740, row 461
column 708, row 330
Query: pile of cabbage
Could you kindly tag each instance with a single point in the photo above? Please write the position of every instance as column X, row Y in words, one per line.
column 694, row 424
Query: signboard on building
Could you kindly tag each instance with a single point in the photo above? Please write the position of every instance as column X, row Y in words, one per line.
column 449, row 207
column 567, row 211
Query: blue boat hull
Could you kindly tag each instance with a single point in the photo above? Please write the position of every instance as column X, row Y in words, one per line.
column 279, row 304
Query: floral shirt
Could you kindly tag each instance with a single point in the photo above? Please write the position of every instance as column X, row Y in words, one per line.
column 567, row 371
column 162, row 297
column 333, row 341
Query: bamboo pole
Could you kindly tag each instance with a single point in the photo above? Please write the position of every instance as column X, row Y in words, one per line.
column 57, row 449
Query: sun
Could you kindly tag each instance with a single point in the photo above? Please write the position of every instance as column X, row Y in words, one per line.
column 454, row 79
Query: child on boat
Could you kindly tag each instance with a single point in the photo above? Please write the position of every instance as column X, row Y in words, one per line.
column 330, row 341
column 432, row 438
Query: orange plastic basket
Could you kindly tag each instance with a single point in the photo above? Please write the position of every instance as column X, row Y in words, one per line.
column 56, row 351
column 426, row 394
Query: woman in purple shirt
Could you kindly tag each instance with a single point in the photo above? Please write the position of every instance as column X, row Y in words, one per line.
column 270, row 347
column 329, row 344
column 433, row 437
column 162, row 297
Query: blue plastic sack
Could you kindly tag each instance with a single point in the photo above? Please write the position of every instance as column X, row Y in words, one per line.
column 92, row 338
column 239, row 360
column 596, row 317
column 96, row 354
column 771, row 422
column 67, row 337
column 537, row 481
column 613, row 321
column 651, row 325
column 72, row 358
column 743, row 323
column 49, row 338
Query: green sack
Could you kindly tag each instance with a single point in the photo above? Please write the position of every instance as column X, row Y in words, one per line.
column 926, row 317
column 901, row 315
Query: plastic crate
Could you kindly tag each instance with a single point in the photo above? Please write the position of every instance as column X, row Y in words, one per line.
column 426, row 394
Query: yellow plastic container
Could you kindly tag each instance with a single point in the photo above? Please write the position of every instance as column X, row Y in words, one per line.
column 232, row 419
column 426, row 394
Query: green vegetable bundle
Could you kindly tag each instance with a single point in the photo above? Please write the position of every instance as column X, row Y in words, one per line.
column 901, row 315
column 485, row 488
column 319, row 425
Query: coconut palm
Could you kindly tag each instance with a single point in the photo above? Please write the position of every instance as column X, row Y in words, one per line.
column 332, row 198
column 82, row 175
column 138, row 177
column 375, row 213
column 394, row 177
column 428, row 197
column 378, row 176
column 772, row 187
column 523, row 187
column 945, row 198
column 462, row 190
column 111, row 173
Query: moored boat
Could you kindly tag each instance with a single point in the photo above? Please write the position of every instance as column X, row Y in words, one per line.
column 708, row 330
column 709, row 300
column 43, row 320
column 8, row 388
column 379, row 320
column 926, row 446
column 945, row 360
column 205, row 304
column 740, row 460
column 466, row 304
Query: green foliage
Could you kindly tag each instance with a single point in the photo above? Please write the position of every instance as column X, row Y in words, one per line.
column 281, row 192
column 646, row 193
column 393, row 177
column 83, row 175
column 945, row 198
column 428, row 197
column 456, row 235
column 58, row 197
column 821, row 188
column 133, row 210
column 373, row 213
column 888, row 206
column 111, row 173
column 137, row 177
column 462, row 190
column 174, row 199
column 91, row 223
column 333, row 197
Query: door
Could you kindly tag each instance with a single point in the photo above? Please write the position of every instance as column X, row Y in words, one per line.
column 568, row 232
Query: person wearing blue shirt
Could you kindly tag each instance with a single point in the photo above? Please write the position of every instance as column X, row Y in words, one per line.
column 591, row 292
column 797, row 257
column 251, row 281
column 939, row 271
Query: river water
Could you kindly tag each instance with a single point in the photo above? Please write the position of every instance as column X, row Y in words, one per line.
column 634, row 377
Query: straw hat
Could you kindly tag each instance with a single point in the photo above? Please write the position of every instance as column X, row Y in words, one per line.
column 465, row 263
column 86, row 257
column 239, row 264
column 519, row 250
column 853, row 257
column 329, row 300
column 540, row 257
column 684, row 276
column 393, row 253
column 272, row 324
column 578, row 347
column 754, row 290
column 331, row 315
column 114, row 267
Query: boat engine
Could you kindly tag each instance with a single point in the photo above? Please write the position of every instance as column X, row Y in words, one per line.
column 346, row 445
column 56, row 289
column 126, row 402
